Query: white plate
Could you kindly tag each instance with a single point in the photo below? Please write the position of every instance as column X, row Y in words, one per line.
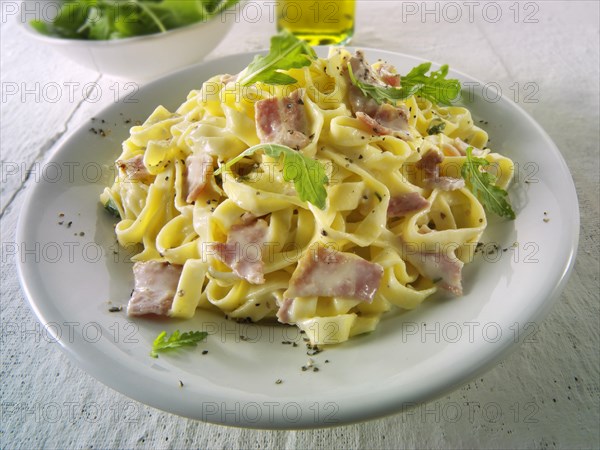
column 410, row 358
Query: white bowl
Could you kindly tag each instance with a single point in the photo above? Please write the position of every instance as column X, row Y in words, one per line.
column 142, row 58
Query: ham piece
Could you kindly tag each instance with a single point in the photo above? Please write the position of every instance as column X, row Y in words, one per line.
column 329, row 273
column 135, row 170
column 429, row 164
column 382, row 119
column 155, row 287
column 402, row 204
column 243, row 250
column 282, row 121
column 443, row 269
column 387, row 120
column 387, row 73
column 198, row 169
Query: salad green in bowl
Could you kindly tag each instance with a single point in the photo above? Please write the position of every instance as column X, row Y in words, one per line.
column 118, row 19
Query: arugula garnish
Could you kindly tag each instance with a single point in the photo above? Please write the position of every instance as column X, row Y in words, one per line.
column 481, row 184
column 383, row 94
column 176, row 340
column 111, row 207
column 434, row 87
column 287, row 52
column 307, row 174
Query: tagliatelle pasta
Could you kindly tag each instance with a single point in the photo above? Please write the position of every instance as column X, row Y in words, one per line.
column 398, row 222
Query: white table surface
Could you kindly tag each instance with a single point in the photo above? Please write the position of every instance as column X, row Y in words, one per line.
column 544, row 395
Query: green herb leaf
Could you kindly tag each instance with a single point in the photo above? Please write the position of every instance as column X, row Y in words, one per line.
column 176, row 340
column 481, row 183
column 434, row 87
column 287, row 52
column 112, row 208
column 382, row 94
column 436, row 127
column 307, row 174
column 115, row 19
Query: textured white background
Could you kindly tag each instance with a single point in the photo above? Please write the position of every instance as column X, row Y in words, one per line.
column 544, row 395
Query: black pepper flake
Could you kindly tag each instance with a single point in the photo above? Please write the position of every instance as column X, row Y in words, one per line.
column 315, row 369
column 61, row 222
column 442, row 215
column 294, row 344
column 204, row 352
column 324, row 233
column 115, row 309
column 81, row 233
column 69, row 224
column 313, row 351
column 360, row 156
column 278, row 381
column 180, row 383
column 326, row 361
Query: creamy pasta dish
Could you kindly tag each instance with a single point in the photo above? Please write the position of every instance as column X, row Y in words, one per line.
column 318, row 192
